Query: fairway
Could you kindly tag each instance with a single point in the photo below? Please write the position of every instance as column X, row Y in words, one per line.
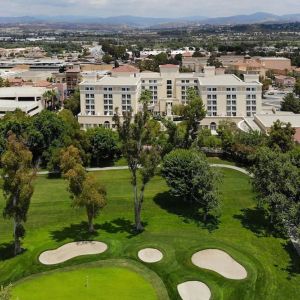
column 171, row 226
column 106, row 283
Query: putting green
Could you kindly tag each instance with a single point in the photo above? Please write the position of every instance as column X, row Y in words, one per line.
column 105, row 283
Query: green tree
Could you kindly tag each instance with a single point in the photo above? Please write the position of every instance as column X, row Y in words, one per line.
column 266, row 82
column 214, row 61
column 107, row 58
column 18, row 176
column 84, row 189
column 140, row 150
column 227, row 131
column 291, row 103
column 73, row 103
column 206, row 139
column 191, row 114
column 295, row 156
column 281, row 136
column 51, row 101
column 190, row 177
column 103, row 145
column 276, row 181
column 17, row 122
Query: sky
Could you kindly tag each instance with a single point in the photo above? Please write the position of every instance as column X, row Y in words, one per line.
column 149, row 8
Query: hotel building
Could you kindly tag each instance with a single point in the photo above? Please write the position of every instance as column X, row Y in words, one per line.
column 225, row 96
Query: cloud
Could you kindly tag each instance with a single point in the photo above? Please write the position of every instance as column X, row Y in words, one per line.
column 159, row 8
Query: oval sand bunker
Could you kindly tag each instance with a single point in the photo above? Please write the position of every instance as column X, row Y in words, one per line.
column 71, row 250
column 150, row 255
column 220, row 262
column 193, row 290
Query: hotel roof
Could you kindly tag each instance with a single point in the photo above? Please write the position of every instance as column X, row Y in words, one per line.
column 115, row 81
column 224, row 79
column 22, row 91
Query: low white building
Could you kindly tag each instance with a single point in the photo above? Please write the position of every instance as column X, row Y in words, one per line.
column 224, row 95
column 28, row 99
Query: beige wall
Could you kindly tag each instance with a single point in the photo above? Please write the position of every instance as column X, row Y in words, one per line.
column 100, row 118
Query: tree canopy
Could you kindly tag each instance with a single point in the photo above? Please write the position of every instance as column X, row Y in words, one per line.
column 190, row 177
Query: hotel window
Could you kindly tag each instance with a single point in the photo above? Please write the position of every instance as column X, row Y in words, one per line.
column 90, row 104
column 108, row 105
column 126, row 89
column 212, row 107
column 126, row 102
column 250, row 107
column 108, row 89
column 89, row 88
column 231, row 105
column 212, row 89
column 250, row 89
column 169, row 89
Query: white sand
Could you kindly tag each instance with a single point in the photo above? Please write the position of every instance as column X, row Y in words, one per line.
column 220, row 262
column 193, row 290
column 71, row 250
column 150, row 255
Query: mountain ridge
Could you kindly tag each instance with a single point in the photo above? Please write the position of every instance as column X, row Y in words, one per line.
column 136, row 21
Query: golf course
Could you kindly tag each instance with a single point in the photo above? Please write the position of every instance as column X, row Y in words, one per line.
column 267, row 265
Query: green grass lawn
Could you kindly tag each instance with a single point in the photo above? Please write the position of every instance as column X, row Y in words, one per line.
column 272, row 263
column 105, row 283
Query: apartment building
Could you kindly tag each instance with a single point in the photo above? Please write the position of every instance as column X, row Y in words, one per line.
column 224, row 95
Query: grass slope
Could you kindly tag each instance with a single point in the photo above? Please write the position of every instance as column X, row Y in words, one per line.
column 172, row 227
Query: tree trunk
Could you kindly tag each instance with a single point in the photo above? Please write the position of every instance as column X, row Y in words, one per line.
column 137, row 206
column 90, row 221
column 138, row 210
column 17, row 241
column 138, row 223
column 205, row 217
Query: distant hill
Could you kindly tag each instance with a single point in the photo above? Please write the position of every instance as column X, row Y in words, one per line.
column 134, row 21
column 259, row 17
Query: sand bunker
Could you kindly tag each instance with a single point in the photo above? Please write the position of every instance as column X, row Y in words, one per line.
column 220, row 262
column 150, row 255
column 193, row 290
column 71, row 250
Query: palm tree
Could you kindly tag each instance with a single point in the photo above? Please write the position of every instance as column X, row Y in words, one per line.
column 50, row 96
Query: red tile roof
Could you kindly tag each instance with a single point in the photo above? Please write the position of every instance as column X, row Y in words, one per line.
column 43, row 83
column 126, row 69
column 15, row 80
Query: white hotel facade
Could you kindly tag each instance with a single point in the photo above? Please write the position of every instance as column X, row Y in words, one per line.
column 225, row 96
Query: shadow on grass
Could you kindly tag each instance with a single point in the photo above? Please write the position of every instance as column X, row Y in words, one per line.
column 121, row 225
column 54, row 175
column 76, row 232
column 255, row 220
column 294, row 266
column 7, row 251
column 79, row 232
column 189, row 212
